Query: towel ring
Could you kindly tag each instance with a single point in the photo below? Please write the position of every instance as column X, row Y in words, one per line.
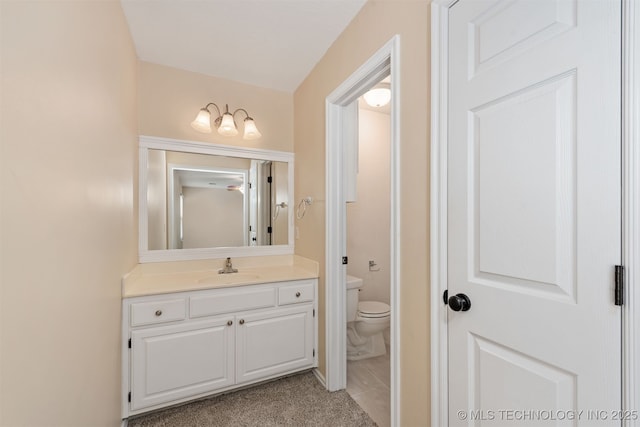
column 302, row 207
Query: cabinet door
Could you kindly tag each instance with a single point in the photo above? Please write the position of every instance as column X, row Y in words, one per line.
column 274, row 342
column 169, row 363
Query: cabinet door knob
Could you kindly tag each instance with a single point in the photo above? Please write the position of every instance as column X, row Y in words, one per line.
column 297, row 294
column 229, row 323
column 158, row 312
column 242, row 321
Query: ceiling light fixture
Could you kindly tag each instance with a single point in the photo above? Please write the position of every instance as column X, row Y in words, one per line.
column 379, row 96
column 225, row 122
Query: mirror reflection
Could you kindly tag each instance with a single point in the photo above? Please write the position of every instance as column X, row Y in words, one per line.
column 209, row 201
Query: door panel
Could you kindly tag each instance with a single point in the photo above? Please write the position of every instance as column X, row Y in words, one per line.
column 522, row 189
column 534, row 207
column 502, row 378
column 273, row 342
column 174, row 362
column 508, row 28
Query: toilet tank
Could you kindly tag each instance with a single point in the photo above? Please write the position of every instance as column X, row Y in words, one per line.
column 353, row 287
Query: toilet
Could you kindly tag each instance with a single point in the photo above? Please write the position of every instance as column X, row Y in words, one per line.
column 366, row 322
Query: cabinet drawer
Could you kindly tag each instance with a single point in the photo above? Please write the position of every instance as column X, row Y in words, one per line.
column 232, row 301
column 148, row 313
column 292, row 294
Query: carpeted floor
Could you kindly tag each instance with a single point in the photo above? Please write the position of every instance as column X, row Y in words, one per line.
column 299, row 400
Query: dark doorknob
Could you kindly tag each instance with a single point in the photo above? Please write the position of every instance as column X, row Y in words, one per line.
column 459, row 302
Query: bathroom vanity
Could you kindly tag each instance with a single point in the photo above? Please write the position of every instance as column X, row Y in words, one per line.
column 190, row 332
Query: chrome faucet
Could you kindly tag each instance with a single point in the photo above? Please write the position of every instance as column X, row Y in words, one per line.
column 228, row 268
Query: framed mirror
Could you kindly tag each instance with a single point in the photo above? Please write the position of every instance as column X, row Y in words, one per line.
column 203, row 200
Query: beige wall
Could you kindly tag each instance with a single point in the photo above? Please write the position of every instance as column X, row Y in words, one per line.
column 157, row 199
column 170, row 99
column 206, row 225
column 376, row 23
column 280, row 174
column 368, row 218
column 68, row 233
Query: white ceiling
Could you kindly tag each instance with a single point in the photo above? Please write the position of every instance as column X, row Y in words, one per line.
column 200, row 178
column 267, row 43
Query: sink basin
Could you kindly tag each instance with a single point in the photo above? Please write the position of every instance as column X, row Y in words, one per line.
column 231, row 278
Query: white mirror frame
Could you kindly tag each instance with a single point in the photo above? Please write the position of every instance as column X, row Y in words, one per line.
column 151, row 142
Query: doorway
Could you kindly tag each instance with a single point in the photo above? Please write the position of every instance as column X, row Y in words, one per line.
column 341, row 113
column 368, row 279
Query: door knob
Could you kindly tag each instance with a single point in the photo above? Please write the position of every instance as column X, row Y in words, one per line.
column 459, row 302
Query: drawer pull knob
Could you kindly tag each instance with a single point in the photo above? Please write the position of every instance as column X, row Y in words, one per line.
column 229, row 323
column 158, row 312
column 297, row 294
column 242, row 321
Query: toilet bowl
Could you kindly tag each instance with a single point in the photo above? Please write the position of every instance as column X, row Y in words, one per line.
column 366, row 322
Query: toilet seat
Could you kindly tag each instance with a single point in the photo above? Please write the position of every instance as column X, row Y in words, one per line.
column 373, row 309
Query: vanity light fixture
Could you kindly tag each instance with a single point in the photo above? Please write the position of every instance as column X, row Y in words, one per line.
column 225, row 122
column 379, row 96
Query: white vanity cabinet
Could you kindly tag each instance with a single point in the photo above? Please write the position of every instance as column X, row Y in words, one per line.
column 174, row 362
column 187, row 345
column 271, row 343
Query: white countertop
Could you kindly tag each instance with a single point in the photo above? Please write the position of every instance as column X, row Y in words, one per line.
column 181, row 276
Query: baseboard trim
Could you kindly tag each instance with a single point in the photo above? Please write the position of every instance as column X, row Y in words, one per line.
column 320, row 378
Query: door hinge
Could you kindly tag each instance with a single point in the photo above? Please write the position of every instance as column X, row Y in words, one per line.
column 314, row 312
column 269, row 179
column 619, row 281
column 269, row 230
column 314, row 352
column 445, row 296
column 129, row 397
column 129, row 342
column 345, row 260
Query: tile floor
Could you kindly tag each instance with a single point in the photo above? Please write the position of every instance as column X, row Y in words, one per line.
column 368, row 383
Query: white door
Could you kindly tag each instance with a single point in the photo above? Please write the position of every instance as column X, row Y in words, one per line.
column 534, row 212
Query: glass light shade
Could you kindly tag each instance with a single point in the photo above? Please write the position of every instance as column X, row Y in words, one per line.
column 378, row 97
column 250, row 129
column 227, row 126
column 202, row 123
